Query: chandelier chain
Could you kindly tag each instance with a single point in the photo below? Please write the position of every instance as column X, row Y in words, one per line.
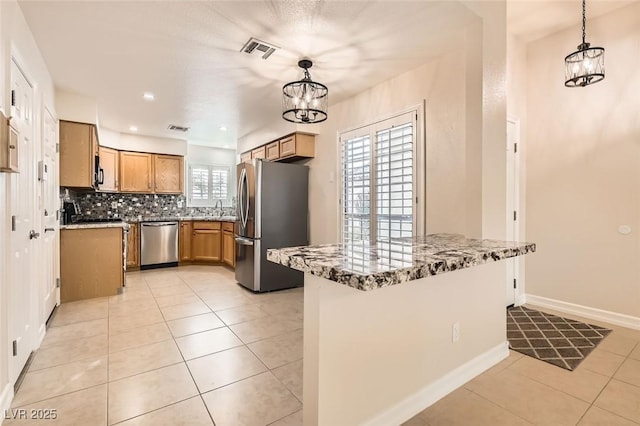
column 584, row 21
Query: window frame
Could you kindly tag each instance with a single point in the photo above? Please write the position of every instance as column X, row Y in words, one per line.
column 419, row 167
column 210, row 201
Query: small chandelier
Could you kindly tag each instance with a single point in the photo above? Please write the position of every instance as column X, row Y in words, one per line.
column 586, row 65
column 305, row 101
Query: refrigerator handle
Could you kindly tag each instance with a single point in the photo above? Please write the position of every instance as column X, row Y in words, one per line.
column 240, row 196
column 245, row 183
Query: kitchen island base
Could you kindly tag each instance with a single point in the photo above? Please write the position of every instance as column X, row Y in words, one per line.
column 380, row 357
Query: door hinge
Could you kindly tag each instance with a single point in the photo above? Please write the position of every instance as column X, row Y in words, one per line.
column 515, row 148
column 15, row 348
column 13, row 223
column 13, row 98
column 57, row 147
column 58, row 282
column 57, row 214
column 515, row 215
column 514, row 283
column 416, row 200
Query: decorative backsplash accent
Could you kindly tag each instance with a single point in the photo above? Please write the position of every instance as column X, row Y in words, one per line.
column 102, row 205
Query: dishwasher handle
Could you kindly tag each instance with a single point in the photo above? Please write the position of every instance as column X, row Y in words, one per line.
column 160, row 224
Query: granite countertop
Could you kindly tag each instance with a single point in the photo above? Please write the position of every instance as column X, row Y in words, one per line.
column 368, row 267
column 179, row 218
column 94, row 225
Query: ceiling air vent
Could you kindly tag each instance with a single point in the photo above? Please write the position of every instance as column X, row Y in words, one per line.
column 178, row 128
column 258, row 47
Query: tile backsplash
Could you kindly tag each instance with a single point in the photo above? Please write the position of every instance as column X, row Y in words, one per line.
column 102, row 205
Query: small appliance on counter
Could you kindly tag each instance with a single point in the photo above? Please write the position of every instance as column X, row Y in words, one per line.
column 70, row 210
column 272, row 213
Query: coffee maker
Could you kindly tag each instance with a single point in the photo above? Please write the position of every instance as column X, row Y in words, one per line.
column 70, row 210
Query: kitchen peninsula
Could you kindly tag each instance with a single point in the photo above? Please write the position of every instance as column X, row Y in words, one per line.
column 378, row 320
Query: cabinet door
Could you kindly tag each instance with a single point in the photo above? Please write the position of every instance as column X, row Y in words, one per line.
column 184, row 240
column 288, row 146
column 133, row 245
column 245, row 157
column 77, row 154
column 168, row 174
column 273, row 151
column 205, row 245
column 109, row 160
column 135, row 172
column 259, row 152
column 229, row 248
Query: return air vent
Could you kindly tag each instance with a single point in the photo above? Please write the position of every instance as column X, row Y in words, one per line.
column 178, row 128
column 258, row 47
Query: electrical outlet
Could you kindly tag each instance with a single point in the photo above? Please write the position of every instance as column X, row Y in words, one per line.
column 455, row 332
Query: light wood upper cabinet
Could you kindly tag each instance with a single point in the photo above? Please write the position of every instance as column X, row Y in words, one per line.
column 109, row 161
column 168, row 174
column 273, row 151
column 8, row 146
column 184, row 240
column 297, row 145
column 136, row 172
column 133, row 245
column 78, row 148
column 245, row 157
column 259, row 153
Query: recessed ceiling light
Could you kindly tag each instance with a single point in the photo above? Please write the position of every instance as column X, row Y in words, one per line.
column 226, row 146
column 133, row 128
column 148, row 96
column 223, row 128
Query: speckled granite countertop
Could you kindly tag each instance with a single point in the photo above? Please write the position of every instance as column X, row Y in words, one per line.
column 179, row 218
column 94, row 225
column 366, row 267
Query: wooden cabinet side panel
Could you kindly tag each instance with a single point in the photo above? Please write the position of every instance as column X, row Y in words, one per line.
column 168, row 174
column 76, row 155
column 133, row 245
column 90, row 263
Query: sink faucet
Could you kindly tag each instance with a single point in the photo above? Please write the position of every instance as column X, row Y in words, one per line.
column 215, row 207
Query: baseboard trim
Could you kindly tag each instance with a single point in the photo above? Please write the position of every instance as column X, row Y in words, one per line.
column 5, row 400
column 585, row 311
column 409, row 407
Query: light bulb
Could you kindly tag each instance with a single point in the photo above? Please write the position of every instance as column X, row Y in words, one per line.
column 587, row 65
column 315, row 103
column 296, row 100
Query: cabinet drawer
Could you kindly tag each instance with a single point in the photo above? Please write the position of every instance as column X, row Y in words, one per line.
column 206, row 225
column 288, row 146
column 273, row 151
column 227, row 226
column 259, row 152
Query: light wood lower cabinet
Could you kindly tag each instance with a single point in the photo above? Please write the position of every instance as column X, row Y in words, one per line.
column 90, row 263
column 133, row 246
column 207, row 242
column 184, row 240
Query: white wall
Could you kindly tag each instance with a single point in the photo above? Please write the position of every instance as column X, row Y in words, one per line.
column 16, row 39
column 74, row 107
column 583, row 169
column 130, row 142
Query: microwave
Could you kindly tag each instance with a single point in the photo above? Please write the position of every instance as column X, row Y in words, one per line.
column 98, row 173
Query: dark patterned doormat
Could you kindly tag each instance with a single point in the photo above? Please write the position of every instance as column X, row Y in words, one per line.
column 550, row 338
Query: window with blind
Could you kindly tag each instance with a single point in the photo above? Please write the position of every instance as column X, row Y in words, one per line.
column 379, row 192
column 207, row 184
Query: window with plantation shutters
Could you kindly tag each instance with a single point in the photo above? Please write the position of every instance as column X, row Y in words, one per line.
column 207, row 184
column 379, row 197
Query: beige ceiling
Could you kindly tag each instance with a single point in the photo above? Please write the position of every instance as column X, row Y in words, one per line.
column 188, row 53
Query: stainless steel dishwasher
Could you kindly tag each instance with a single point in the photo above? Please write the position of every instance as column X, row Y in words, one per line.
column 158, row 244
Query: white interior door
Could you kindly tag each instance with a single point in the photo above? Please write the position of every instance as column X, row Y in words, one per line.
column 48, row 180
column 22, row 327
column 513, row 182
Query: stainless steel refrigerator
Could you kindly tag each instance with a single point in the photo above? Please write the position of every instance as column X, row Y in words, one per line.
column 272, row 213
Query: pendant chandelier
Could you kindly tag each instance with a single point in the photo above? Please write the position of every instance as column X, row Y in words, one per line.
column 585, row 66
column 305, row 101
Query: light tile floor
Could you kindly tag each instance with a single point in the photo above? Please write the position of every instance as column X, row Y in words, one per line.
column 188, row 346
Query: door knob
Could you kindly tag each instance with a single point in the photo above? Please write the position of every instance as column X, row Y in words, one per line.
column 33, row 234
